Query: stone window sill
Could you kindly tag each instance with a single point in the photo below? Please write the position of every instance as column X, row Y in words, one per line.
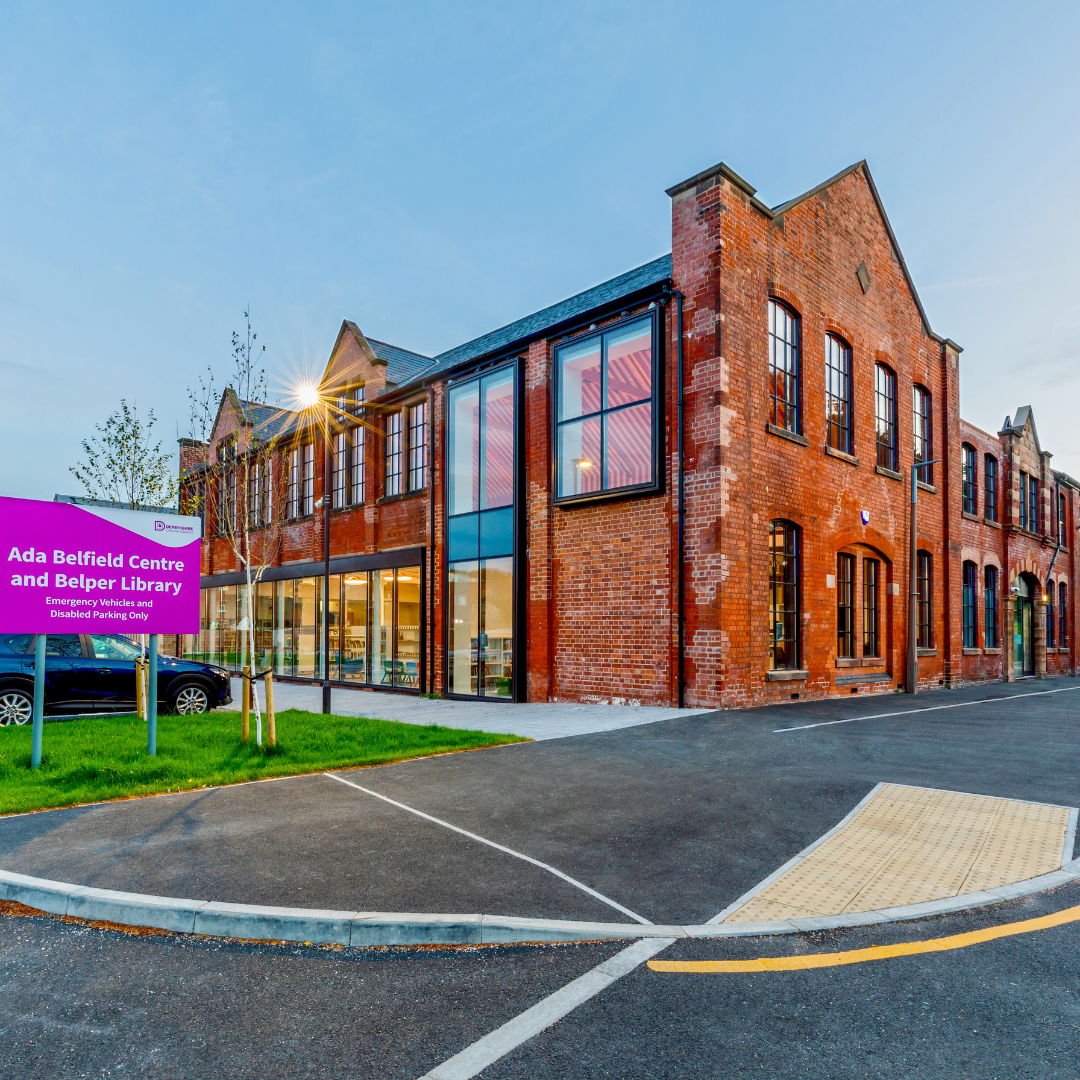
column 848, row 662
column 926, row 487
column 787, row 675
column 927, row 652
column 972, row 652
column 882, row 471
column 404, row 495
column 991, row 523
column 849, row 458
column 791, row 436
column 971, row 517
column 873, row 661
column 992, row 650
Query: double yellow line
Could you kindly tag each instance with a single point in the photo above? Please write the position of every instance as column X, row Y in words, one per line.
column 876, row 952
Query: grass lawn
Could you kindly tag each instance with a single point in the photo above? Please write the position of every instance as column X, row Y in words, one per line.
column 105, row 757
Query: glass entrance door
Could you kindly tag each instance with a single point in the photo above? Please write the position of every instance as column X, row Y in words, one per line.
column 1023, row 645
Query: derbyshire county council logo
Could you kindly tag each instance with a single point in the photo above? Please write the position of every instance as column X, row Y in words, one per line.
column 159, row 526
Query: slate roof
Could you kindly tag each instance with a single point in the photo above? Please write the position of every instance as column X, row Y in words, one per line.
column 401, row 364
column 269, row 421
column 651, row 273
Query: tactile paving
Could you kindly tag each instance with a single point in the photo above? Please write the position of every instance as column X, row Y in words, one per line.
column 908, row 845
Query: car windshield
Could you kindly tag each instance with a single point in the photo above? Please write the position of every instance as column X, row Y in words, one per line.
column 111, row 647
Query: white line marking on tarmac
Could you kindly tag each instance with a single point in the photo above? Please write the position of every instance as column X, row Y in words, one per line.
column 474, row 1059
column 498, row 847
column 931, row 708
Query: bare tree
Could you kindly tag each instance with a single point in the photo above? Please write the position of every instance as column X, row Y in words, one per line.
column 242, row 491
column 123, row 464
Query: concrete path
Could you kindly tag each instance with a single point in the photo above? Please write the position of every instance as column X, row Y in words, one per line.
column 532, row 720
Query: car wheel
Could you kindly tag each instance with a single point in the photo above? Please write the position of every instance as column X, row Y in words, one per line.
column 16, row 707
column 191, row 698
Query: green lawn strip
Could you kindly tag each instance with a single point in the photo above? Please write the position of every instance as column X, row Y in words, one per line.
column 105, row 757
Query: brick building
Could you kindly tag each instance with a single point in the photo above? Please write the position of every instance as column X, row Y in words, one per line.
column 690, row 483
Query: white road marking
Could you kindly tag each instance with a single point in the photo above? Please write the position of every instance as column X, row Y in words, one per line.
column 931, row 708
column 498, row 847
column 474, row 1059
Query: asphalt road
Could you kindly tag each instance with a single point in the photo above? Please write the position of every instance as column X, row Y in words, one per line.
column 673, row 819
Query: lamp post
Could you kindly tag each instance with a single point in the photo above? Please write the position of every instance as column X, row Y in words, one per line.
column 911, row 678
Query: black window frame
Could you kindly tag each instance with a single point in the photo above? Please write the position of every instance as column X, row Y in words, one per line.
column 292, row 502
column 1063, row 622
column 970, row 585
column 991, row 639
column 417, row 446
column 307, row 479
column 790, row 612
column 1051, row 636
column 922, row 430
column 1033, row 504
column 845, row 605
column 393, row 453
column 1061, row 511
column 357, row 465
column 656, row 483
column 839, row 434
column 990, row 488
column 925, row 584
column 871, row 608
column 790, row 404
column 968, row 494
column 339, row 470
column 887, row 456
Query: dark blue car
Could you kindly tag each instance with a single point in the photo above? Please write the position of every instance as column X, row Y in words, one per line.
column 87, row 673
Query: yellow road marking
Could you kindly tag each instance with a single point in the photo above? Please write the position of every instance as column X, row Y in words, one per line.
column 876, row 952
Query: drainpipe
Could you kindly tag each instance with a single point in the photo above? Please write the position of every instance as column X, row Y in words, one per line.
column 431, row 540
column 681, row 616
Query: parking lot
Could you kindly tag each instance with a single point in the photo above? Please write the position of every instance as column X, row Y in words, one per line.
column 671, row 821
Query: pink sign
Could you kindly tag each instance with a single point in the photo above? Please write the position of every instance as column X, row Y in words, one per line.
column 83, row 569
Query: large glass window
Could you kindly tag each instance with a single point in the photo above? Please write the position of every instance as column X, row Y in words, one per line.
column 1063, row 622
column 845, row 605
column 293, row 498
column 838, row 394
column 784, row 366
column 340, row 469
column 1033, row 504
column 356, row 466
column 308, row 498
column 1023, row 500
column 392, row 461
column 871, row 596
column 990, row 608
column 970, row 584
column 926, row 602
column 990, row 488
column 885, row 416
column 605, row 393
column 418, row 446
column 967, row 478
column 1061, row 516
column 922, row 430
column 1051, row 640
column 481, row 471
column 784, row 630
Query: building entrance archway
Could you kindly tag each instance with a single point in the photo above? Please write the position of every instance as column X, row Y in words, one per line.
column 1024, row 592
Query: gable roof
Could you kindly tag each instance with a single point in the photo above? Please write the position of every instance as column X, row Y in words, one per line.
column 401, row 364
column 546, row 319
column 776, row 212
column 1023, row 417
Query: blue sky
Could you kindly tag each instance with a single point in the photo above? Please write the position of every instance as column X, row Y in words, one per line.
column 434, row 170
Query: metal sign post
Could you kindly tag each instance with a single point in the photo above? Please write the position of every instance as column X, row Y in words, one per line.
column 151, row 703
column 39, row 700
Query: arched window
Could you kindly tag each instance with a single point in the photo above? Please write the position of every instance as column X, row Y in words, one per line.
column 1063, row 623
column 922, row 429
column 885, row 416
column 837, row 394
column 845, row 605
column 967, row 478
column 784, row 573
column 990, row 488
column 784, row 366
column 924, row 581
column 990, row 608
column 971, row 577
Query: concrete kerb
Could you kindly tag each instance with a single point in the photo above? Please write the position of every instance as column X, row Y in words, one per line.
column 370, row 928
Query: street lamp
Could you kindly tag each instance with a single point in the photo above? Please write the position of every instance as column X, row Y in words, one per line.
column 911, row 680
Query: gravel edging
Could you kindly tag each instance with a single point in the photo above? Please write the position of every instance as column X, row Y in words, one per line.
column 367, row 928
